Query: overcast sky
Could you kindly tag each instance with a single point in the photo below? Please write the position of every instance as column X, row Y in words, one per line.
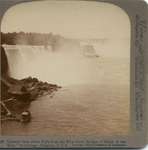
column 73, row 19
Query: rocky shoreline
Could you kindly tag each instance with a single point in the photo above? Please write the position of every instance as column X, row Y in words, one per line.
column 18, row 95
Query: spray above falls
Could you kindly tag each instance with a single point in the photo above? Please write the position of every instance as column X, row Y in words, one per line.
column 67, row 65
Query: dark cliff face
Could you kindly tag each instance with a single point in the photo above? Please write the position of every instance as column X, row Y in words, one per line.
column 4, row 63
column 4, row 73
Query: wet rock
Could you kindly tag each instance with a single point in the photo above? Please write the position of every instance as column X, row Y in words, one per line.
column 22, row 92
column 25, row 116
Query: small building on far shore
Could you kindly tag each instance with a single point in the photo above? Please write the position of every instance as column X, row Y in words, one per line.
column 89, row 51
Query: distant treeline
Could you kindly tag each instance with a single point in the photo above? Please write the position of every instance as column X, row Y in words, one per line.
column 22, row 38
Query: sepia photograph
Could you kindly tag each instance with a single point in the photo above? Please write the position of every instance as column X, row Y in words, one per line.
column 65, row 69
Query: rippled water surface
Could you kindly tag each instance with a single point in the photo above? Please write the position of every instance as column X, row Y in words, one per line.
column 94, row 101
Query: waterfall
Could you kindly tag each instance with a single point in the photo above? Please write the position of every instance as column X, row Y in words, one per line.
column 64, row 67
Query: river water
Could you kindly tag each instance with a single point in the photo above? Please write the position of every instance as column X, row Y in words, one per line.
column 98, row 105
column 77, row 110
column 84, row 109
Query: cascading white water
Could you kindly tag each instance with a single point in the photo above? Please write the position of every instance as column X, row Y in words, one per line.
column 65, row 66
column 102, row 87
